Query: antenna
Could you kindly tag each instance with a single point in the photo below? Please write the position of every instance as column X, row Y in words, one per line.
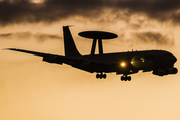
column 97, row 36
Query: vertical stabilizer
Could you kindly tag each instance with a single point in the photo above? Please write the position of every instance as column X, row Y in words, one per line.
column 69, row 45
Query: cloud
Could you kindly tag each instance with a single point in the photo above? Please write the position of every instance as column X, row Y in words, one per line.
column 44, row 36
column 154, row 38
column 29, row 35
column 17, row 11
column 5, row 35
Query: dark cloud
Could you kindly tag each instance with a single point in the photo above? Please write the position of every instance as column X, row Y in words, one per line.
column 29, row 35
column 54, row 10
column 154, row 38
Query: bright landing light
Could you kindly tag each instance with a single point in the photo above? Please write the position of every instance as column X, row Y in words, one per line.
column 123, row 64
column 37, row 1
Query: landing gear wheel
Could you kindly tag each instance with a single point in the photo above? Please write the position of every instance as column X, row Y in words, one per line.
column 129, row 78
column 101, row 76
column 104, row 76
column 125, row 78
column 97, row 76
column 122, row 78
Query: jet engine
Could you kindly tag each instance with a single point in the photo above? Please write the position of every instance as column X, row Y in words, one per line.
column 140, row 62
column 166, row 71
column 52, row 59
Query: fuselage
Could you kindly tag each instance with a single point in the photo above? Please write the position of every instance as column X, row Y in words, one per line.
column 133, row 60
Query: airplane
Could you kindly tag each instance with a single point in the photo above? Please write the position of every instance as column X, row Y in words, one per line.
column 160, row 62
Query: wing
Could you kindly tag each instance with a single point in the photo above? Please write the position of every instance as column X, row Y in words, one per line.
column 40, row 54
column 47, row 57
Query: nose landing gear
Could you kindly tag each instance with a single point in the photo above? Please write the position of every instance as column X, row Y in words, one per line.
column 125, row 78
column 101, row 76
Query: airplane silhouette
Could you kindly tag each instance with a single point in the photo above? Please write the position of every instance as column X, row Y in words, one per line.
column 160, row 62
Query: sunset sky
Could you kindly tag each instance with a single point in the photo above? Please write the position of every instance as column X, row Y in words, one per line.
column 34, row 90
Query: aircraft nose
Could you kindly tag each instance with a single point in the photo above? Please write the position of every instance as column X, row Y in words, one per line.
column 175, row 59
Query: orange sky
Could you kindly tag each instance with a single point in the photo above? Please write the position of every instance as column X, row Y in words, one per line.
column 32, row 89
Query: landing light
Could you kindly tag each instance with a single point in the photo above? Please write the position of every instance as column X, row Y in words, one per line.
column 123, row 64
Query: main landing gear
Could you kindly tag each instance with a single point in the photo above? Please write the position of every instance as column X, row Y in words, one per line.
column 125, row 78
column 101, row 75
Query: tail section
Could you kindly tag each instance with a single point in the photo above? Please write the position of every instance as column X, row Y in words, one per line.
column 69, row 45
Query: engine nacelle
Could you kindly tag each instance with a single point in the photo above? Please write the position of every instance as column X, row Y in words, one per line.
column 172, row 70
column 166, row 71
column 52, row 59
column 140, row 62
